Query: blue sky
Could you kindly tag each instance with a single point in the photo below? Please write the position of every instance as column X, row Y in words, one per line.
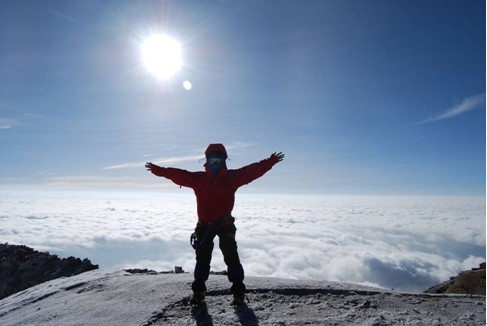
column 363, row 97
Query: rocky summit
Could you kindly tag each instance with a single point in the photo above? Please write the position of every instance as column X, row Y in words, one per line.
column 22, row 267
column 115, row 297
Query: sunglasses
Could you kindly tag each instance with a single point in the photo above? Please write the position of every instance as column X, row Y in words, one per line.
column 214, row 161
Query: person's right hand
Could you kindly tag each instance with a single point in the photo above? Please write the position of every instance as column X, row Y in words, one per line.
column 148, row 166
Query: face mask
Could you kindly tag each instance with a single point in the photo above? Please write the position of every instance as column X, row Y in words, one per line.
column 215, row 168
column 215, row 164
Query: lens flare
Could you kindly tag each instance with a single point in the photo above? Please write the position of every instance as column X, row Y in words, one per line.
column 187, row 85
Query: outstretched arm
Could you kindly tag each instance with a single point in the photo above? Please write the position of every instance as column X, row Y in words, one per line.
column 253, row 171
column 178, row 176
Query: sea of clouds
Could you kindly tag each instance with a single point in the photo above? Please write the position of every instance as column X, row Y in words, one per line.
column 404, row 243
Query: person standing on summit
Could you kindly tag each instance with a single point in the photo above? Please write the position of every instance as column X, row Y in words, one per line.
column 215, row 197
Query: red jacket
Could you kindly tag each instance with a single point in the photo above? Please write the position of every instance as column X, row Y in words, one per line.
column 215, row 195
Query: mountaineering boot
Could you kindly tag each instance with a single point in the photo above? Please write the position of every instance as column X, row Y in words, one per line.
column 197, row 298
column 238, row 298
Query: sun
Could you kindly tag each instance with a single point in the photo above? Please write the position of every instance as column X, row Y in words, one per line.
column 161, row 55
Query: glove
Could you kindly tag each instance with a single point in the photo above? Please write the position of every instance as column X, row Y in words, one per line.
column 155, row 169
column 149, row 166
column 276, row 157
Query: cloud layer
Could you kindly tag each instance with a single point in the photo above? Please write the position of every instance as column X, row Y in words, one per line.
column 404, row 243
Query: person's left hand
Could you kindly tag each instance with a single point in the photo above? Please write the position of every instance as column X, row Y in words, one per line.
column 277, row 157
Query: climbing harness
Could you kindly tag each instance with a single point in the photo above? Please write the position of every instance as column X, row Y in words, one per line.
column 197, row 240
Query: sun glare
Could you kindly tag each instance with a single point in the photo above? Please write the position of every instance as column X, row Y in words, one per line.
column 162, row 56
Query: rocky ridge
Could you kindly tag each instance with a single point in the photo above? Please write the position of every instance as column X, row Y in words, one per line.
column 22, row 267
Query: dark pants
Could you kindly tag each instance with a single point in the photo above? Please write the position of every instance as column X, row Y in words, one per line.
column 228, row 246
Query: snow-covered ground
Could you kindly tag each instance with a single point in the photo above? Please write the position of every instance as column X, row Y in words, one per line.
column 115, row 297
column 404, row 243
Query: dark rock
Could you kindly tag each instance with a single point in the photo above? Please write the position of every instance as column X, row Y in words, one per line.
column 178, row 270
column 140, row 271
column 22, row 267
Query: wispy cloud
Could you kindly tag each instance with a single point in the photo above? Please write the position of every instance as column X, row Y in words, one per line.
column 21, row 120
column 174, row 159
column 63, row 16
column 162, row 160
column 5, row 123
column 468, row 104
column 78, row 182
column 94, row 182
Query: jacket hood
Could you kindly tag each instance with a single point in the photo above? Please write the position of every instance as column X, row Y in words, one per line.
column 216, row 149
